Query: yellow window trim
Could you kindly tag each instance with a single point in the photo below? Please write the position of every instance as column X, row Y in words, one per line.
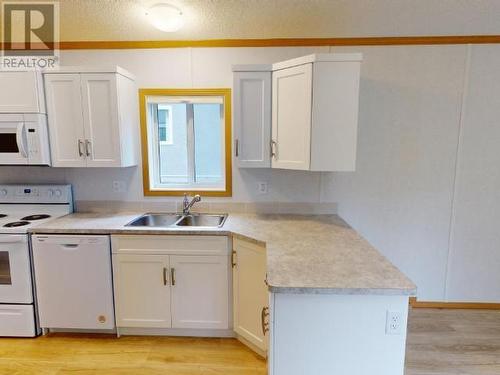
column 223, row 92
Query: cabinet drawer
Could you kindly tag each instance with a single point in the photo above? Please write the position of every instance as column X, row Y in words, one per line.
column 17, row 320
column 169, row 244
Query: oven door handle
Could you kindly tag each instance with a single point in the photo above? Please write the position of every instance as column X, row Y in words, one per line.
column 9, row 238
column 21, row 139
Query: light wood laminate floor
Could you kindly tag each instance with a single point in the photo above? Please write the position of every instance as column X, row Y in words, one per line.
column 440, row 342
column 453, row 342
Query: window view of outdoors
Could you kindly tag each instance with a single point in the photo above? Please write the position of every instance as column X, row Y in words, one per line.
column 189, row 138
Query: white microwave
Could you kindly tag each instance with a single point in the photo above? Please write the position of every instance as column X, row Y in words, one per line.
column 24, row 139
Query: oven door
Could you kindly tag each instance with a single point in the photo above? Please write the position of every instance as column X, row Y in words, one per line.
column 15, row 270
column 13, row 142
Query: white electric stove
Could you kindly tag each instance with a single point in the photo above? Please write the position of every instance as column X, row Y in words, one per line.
column 22, row 207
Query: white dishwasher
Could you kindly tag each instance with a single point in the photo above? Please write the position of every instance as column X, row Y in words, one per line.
column 73, row 281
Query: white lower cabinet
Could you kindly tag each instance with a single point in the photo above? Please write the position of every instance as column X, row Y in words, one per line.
column 178, row 282
column 250, row 294
column 142, row 290
column 183, row 285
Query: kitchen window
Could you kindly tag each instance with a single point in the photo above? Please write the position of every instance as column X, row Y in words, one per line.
column 186, row 137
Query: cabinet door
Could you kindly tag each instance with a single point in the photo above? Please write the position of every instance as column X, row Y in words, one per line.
column 200, row 295
column 100, row 114
column 252, row 119
column 142, row 291
column 291, row 117
column 21, row 92
column 250, row 294
column 64, row 109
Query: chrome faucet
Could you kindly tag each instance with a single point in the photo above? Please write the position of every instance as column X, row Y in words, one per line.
column 186, row 204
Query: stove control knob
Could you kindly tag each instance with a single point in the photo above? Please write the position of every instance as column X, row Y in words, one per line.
column 57, row 193
column 3, row 192
column 50, row 192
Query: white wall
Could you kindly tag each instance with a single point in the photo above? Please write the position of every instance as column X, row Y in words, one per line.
column 409, row 196
column 474, row 266
column 174, row 68
column 403, row 195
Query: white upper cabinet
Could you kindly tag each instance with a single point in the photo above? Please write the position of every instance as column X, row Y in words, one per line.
column 21, row 92
column 93, row 117
column 291, row 130
column 66, row 121
column 252, row 115
column 314, row 106
column 315, row 112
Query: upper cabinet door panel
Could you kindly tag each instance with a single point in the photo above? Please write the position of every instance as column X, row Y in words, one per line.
column 252, row 119
column 64, row 107
column 21, row 92
column 100, row 113
column 291, row 117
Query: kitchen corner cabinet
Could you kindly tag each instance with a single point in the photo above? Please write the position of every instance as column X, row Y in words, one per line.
column 92, row 117
column 252, row 115
column 250, row 295
column 314, row 113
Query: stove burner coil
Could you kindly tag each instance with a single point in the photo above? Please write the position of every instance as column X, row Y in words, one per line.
column 16, row 224
column 35, row 217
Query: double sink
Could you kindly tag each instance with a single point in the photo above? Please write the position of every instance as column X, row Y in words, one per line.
column 166, row 220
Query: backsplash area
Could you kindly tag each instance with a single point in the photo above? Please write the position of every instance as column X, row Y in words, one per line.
column 289, row 191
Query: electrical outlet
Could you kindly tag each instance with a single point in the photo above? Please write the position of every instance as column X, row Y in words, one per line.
column 395, row 323
column 119, row 186
column 263, row 187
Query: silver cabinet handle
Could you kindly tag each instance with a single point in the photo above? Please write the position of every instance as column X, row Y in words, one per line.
column 233, row 259
column 273, row 148
column 172, row 276
column 263, row 315
column 80, row 148
column 237, row 147
column 88, row 147
column 165, row 277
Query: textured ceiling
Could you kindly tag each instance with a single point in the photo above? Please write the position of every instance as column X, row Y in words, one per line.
column 232, row 19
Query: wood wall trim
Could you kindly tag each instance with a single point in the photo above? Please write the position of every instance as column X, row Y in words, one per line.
column 284, row 42
column 453, row 305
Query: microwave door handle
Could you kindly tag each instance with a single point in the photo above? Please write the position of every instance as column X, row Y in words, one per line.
column 20, row 139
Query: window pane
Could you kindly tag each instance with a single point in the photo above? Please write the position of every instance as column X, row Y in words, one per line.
column 207, row 141
column 173, row 157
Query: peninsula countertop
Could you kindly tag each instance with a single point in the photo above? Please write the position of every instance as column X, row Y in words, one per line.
column 305, row 253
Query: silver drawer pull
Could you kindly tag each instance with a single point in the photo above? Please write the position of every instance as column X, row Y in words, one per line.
column 80, row 148
column 237, row 147
column 273, row 149
column 172, row 276
column 263, row 315
column 88, row 147
column 165, row 277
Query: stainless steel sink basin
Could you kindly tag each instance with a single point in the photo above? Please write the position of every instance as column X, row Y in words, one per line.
column 202, row 220
column 178, row 220
column 155, row 220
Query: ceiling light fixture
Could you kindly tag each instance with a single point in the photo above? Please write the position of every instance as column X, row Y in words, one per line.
column 165, row 17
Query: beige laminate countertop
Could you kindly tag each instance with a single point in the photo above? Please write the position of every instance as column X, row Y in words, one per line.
column 305, row 254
